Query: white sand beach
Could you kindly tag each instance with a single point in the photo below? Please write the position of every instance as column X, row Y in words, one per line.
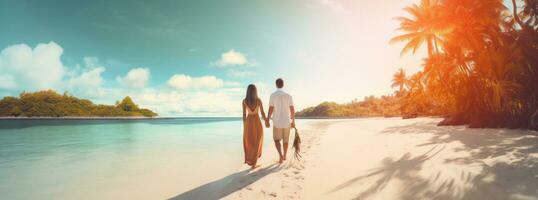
column 379, row 158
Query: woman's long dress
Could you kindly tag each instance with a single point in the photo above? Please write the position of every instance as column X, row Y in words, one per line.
column 252, row 136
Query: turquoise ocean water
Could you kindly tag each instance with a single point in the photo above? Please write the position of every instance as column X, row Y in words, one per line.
column 111, row 159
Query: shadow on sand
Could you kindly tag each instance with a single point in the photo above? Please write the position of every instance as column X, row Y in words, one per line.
column 225, row 186
column 390, row 168
column 484, row 164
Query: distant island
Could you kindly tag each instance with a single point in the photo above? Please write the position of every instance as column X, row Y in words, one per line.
column 386, row 106
column 48, row 103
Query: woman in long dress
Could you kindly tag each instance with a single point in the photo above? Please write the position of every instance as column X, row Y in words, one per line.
column 252, row 126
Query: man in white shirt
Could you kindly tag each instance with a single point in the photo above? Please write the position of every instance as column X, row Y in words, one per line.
column 281, row 104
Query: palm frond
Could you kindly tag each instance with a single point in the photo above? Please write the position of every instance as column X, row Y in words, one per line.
column 404, row 37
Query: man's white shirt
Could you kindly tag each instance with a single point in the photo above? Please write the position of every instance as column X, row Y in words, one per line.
column 281, row 102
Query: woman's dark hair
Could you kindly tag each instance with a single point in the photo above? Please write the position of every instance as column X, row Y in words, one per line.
column 252, row 96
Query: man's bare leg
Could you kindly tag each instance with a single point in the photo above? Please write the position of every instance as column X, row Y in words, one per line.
column 279, row 149
column 285, row 150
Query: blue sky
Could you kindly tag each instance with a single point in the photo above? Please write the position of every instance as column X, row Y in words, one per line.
column 195, row 58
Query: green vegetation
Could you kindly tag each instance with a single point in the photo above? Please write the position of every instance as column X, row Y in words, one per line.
column 370, row 107
column 48, row 103
column 481, row 68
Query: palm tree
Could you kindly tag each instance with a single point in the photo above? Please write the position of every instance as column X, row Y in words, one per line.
column 423, row 27
column 399, row 80
column 493, row 68
column 415, row 82
column 481, row 61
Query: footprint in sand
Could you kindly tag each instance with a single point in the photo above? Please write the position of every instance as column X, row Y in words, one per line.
column 273, row 194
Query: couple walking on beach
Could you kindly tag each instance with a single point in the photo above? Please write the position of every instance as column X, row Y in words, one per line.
column 281, row 105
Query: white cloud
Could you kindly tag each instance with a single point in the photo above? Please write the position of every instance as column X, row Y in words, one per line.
column 27, row 68
column 135, row 78
column 231, row 58
column 88, row 83
column 161, row 97
column 187, row 103
column 232, row 83
column 240, row 73
column 91, row 61
column 90, row 78
column 181, row 81
column 212, row 103
column 164, row 102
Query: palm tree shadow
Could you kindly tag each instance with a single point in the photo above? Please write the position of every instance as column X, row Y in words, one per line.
column 403, row 168
column 223, row 187
column 510, row 172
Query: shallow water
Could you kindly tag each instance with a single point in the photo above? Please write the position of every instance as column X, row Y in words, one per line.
column 110, row 159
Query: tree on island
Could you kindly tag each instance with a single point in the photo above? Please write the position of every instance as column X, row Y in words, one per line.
column 127, row 105
column 49, row 103
column 385, row 106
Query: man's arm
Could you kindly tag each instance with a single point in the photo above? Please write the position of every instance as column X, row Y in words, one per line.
column 292, row 112
column 269, row 113
column 292, row 116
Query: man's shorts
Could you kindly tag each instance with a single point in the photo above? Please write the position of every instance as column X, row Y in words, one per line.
column 281, row 134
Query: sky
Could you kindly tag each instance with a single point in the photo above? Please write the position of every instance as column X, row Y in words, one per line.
column 196, row 58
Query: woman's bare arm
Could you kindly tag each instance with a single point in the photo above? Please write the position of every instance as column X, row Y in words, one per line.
column 261, row 110
column 244, row 111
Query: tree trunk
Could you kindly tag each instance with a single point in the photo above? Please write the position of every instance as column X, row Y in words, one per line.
column 430, row 47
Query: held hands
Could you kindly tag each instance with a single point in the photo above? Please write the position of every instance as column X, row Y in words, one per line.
column 267, row 125
column 293, row 124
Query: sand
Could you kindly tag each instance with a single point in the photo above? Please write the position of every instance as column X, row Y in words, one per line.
column 380, row 158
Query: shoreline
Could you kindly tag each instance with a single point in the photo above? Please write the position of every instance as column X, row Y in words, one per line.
column 83, row 118
column 181, row 117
